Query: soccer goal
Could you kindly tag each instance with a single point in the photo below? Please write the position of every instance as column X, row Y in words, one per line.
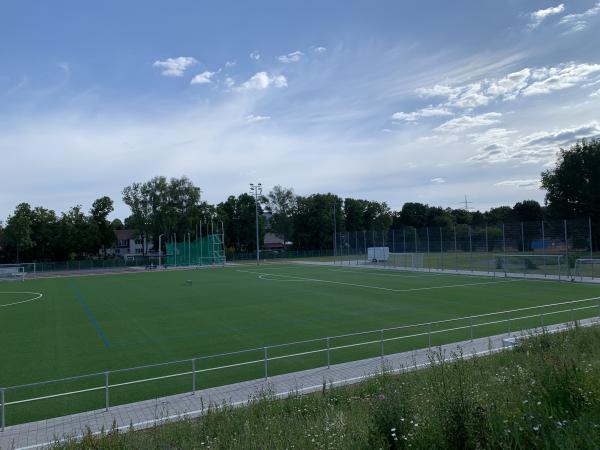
column 530, row 264
column 406, row 260
column 12, row 272
column 586, row 267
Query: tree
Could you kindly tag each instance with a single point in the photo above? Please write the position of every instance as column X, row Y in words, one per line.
column 282, row 205
column 573, row 186
column 313, row 221
column 414, row 214
column 18, row 229
column 527, row 211
column 239, row 220
column 161, row 206
column 103, row 231
column 499, row 215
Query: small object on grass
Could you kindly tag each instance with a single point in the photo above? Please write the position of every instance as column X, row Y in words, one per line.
column 188, row 282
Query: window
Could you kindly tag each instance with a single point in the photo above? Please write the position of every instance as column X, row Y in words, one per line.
column 123, row 243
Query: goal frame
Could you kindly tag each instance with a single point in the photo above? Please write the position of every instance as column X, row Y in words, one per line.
column 7, row 275
column 584, row 262
column 557, row 259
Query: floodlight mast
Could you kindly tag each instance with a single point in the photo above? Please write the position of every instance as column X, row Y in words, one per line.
column 257, row 192
column 160, row 250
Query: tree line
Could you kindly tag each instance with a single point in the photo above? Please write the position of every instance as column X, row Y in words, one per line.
column 175, row 207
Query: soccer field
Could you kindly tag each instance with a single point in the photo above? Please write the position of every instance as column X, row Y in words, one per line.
column 61, row 327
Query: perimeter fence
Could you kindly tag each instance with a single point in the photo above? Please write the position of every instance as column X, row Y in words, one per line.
column 53, row 398
column 544, row 248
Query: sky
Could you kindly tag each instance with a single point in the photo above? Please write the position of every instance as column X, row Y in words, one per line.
column 384, row 100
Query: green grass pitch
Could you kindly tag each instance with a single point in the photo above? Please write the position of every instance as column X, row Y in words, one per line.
column 88, row 324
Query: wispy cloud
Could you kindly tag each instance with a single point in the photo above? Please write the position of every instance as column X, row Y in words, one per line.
column 255, row 55
column 320, row 50
column 527, row 184
column 467, row 122
column 559, row 77
column 579, row 22
column 251, row 118
column 291, row 57
column 262, row 80
column 437, row 180
column 175, row 67
column 430, row 111
column 595, row 94
column 203, row 78
column 537, row 17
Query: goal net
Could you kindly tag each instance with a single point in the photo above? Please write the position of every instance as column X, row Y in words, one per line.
column 586, row 267
column 406, row 260
column 12, row 272
column 534, row 264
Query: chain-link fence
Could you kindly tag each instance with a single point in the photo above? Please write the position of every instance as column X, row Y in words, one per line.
column 561, row 248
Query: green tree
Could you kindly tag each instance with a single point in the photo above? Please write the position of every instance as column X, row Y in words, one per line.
column 103, row 232
column 239, row 220
column 281, row 205
column 528, row 211
column 18, row 230
column 313, row 221
column 573, row 185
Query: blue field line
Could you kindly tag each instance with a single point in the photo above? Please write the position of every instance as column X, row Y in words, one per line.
column 89, row 314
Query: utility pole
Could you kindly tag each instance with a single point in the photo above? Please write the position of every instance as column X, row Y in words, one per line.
column 257, row 192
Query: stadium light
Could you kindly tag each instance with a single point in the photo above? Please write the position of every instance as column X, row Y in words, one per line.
column 256, row 191
column 160, row 250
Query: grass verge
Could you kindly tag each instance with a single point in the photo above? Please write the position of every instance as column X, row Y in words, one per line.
column 543, row 394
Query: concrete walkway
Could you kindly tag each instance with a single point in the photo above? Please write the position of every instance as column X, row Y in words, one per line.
column 151, row 412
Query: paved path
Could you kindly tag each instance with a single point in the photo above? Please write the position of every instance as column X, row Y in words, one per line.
column 151, row 412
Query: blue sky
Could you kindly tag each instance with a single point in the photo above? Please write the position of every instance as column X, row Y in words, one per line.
column 386, row 100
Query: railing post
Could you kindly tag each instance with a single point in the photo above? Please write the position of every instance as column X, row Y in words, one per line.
column 106, row 396
column 471, row 323
column 328, row 354
column 381, row 342
column 542, row 318
column 3, row 409
column 429, row 333
column 193, row 375
column 509, row 322
column 266, row 365
column 572, row 316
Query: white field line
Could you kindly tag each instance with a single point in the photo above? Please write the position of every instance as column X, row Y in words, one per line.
column 366, row 286
column 400, row 274
column 37, row 295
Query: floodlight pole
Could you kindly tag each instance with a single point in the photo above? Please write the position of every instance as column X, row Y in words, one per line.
column 159, row 250
column 257, row 191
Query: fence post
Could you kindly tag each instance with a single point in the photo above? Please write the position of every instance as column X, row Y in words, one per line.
column 106, row 395
column 3, row 409
column 266, row 365
column 470, row 248
column 193, row 375
column 567, row 249
column 429, row 333
column 542, row 317
column 487, row 248
column 328, row 353
column 471, row 323
column 381, row 342
column 509, row 322
column 591, row 248
column 428, row 257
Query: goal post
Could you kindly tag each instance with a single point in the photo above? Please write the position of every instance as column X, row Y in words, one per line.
column 552, row 264
column 586, row 267
column 406, row 260
column 12, row 272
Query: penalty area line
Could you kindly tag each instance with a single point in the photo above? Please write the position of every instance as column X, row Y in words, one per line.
column 366, row 286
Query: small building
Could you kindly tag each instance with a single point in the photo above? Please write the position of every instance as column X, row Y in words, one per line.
column 129, row 245
column 274, row 242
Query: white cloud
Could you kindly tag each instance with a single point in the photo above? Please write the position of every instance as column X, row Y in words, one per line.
column 251, row 118
column 437, row 180
column 229, row 64
column 540, row 15
column 536, row 148
column 229, row 82
column 430, row 111
column 203, row 78
column 511, row 85
column 320, row 50
column 255, row 55
column 262, row 80
column 579, row 22
column 291, row 57
column 527, row 184
column 466, row 122
column 595, row 94
column 175, row 67
column 559, row 77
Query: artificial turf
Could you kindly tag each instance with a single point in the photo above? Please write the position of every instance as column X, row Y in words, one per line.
column 89, row 324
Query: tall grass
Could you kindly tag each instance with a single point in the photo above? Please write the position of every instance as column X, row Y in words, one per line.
column 543, row 394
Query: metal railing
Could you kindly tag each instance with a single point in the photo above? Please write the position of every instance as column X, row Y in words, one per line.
column 430, row 329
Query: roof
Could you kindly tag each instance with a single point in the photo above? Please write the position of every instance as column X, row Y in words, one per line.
column 272, row 238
